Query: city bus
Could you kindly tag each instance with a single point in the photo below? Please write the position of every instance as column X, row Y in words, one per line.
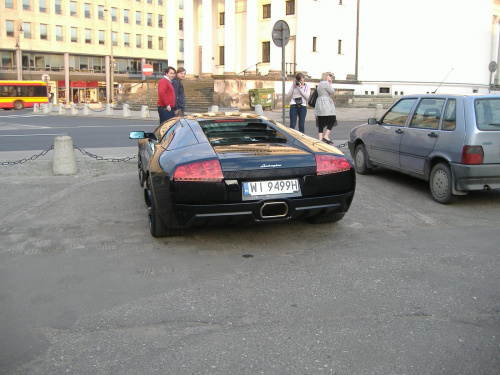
column 22, row 94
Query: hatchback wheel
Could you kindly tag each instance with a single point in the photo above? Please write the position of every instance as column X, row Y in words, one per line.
column 440, row 182
column 360, row 160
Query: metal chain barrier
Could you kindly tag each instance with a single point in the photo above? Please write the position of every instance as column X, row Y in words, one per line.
column 22, row 161
column 114, row 160
column 83, row 151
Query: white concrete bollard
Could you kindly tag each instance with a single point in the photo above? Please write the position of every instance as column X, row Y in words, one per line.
column 36, row 108
column 126, row 110
column 379, row 111
column 214, row 109
column 258, row 110
column 86, row 111
column 109, row 110
column 47, row 108
column 74, row 111
column 62, row 109
column 145, row 111
column 64, row 156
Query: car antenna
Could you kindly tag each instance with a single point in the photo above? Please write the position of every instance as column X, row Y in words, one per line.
column 442, row 82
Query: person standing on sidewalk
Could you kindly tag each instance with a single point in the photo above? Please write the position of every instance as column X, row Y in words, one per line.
column 299, row 93
column 325, row 108
column 180, row 98
column 166, row 96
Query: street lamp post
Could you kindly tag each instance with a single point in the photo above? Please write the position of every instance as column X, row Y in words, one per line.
column 111, row 89
column 19, row 60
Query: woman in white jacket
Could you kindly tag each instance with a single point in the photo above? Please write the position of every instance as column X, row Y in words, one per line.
column 325, row 108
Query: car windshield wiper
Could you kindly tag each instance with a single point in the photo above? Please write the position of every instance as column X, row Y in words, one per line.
column 494, row 124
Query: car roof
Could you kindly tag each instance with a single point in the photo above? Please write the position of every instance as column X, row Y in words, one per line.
column 473, row 96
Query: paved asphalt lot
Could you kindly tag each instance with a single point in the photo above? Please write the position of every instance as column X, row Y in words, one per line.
column 402, row 285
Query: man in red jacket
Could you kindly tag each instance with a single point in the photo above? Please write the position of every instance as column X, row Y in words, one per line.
column 166, row 96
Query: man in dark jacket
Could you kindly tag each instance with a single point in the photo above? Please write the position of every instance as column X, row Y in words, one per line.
column 166, row 96
column 180, row 99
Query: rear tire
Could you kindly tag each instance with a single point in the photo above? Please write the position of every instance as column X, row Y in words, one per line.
column 18, row 105
column 326, row 218
column 441, row 184
column 156, row 225
column 360, row 160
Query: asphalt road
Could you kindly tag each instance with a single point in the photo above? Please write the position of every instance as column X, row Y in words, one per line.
column 25, row 130
column 402, row 285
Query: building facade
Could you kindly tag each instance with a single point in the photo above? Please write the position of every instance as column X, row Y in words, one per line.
column 388, row 47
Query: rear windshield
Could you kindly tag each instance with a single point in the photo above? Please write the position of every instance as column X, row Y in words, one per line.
column 487, row 114
column 224, row 132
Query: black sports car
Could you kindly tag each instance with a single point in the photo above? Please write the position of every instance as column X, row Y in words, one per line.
column 218, row 169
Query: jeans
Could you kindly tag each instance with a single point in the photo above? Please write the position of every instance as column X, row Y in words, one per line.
column 164, row 114
column 300, row 111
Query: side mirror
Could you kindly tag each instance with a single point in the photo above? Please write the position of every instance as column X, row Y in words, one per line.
column 136, row 135
column 142, row 135
column 372, row 121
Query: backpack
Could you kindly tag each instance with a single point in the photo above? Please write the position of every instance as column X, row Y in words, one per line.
column 312, row 99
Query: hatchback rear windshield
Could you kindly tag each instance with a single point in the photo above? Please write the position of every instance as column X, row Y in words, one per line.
column 487, row 114
column 224, row 132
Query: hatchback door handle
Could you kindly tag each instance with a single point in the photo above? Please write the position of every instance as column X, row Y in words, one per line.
column 399, row 131
column 433, row 135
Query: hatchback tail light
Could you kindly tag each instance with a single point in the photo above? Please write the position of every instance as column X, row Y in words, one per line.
column 472, row 155
column 328, row 164
column 206, row 171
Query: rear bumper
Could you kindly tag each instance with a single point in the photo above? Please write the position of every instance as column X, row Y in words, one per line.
column 476, row 177
column 255, row 212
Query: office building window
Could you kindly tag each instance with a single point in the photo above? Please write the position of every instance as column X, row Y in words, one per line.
column 26, row 5
column 266, row 11
column 74, row 35
column 314, row 43
column 266, row 52
column 160, row 2
column 221, row 18
column 101, row 37
column 100, row 12
column 114, row 13
column 114, row 36
column 72, row 8
column 150, row 42
column 138, row 41
column 59, row 33
column 58, row 7
column 126, row 40
column 161, row 43
column 9, row 4
column 43, row 31
column 181, row 4
column 125, row 15
column 181, row 45
column 88, row 36
column 339, row 47
column 87, row 10
column 290, row 7
column 42, row 6
column 150, row 19
column 221, row 55
column 160, row 20
column 9, row 28
column 181, row 24
column 137, row 18
column 27, row 30
column 150, row 1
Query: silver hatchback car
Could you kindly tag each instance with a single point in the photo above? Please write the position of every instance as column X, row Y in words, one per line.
column 452, row 141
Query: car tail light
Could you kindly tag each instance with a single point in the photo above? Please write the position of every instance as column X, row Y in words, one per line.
column 207, row 171
column 327, row 164
column 472, row 155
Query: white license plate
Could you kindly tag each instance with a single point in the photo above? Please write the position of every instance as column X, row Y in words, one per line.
column 276, row 187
